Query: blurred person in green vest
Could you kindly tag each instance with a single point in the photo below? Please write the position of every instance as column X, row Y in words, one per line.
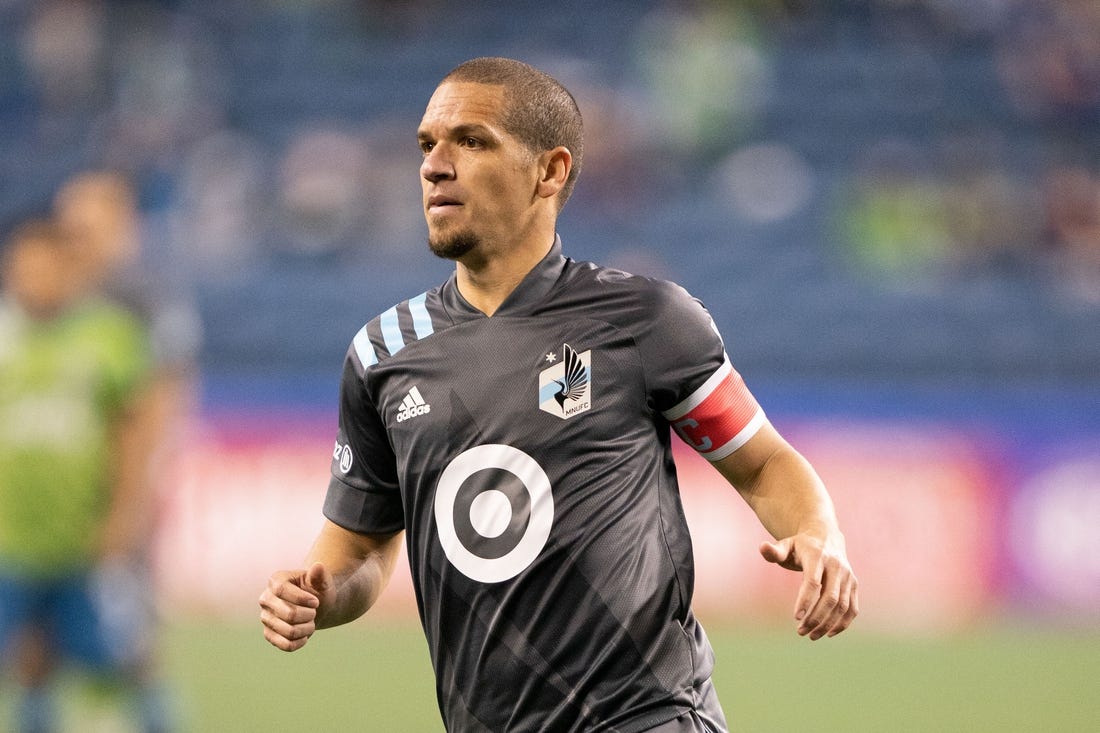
column 74, row 500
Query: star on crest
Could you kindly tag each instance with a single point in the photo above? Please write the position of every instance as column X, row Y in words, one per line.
column 551, row 357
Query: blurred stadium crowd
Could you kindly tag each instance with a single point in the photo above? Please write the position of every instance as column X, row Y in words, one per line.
column 860, row 189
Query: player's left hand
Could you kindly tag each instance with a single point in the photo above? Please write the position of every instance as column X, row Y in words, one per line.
column 828, row 599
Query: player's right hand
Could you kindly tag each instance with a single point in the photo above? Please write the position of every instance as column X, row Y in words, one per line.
column 290, row 603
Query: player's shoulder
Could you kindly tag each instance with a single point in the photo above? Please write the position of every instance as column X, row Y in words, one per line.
column 390, row 332
column 657, row 313
column 101, row 313
column 615, row 286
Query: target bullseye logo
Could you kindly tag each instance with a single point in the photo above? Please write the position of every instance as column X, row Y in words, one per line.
column 494, row 510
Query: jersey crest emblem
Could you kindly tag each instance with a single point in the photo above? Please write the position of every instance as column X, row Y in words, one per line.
column 565, row 389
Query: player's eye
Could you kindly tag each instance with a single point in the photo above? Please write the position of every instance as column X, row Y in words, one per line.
column 426, row 146
column 471, row 142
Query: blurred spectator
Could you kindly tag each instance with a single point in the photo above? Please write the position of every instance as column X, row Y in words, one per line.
column 765, row 183
column 138, row 79
column 993, row 215
column 74, row 495
column 101, row 208
column 1049, row 61
column 707, row 73
column 892, row 220
column 618, row 125
column 168, row 86
column 63, row 45
column 321, row 180
column 221, row 211
column 1072, row 201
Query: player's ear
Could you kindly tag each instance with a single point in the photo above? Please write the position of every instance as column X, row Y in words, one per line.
column 554, row 167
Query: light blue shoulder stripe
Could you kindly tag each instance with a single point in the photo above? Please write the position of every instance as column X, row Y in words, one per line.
column 364, row 349
column 391, row 331
column 422, row 321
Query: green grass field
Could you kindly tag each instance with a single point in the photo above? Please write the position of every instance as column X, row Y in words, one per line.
column 365, row 678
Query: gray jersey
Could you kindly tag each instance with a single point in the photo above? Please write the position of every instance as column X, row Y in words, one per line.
column 528, row 457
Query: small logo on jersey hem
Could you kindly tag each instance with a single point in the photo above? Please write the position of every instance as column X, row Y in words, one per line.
column 565, row 389
column 342, row 455
column 413, row 406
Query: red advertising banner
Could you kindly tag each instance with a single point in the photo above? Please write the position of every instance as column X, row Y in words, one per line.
column 930, row 525
column 917, row 508
column 245, row 500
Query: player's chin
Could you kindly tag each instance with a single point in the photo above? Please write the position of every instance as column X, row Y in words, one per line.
column 452, row 245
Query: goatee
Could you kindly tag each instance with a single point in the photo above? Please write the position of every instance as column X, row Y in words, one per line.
column 454, row 246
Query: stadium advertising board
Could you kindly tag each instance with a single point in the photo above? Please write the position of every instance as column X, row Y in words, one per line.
column 941, row 528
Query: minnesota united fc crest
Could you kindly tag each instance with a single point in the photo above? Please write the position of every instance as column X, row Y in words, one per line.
column 565, row 389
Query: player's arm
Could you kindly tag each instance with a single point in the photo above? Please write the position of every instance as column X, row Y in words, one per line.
column 141, row 436
column 344, row 574
column 792, row 503
column 129, row 515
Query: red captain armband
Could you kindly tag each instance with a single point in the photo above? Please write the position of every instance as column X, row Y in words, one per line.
column 719, row 417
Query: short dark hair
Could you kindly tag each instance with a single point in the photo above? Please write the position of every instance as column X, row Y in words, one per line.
column 539, row 111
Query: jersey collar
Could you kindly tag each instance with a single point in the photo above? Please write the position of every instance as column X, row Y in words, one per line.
column 530, row 291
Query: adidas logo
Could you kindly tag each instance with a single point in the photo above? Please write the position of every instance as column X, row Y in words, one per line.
column 413, row 405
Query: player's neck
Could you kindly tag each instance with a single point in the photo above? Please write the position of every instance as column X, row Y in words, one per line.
column 486, row 282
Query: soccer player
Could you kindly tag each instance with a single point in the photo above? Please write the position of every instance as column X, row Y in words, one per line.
column 72, row 478
column 514, row 425
column 101, row 208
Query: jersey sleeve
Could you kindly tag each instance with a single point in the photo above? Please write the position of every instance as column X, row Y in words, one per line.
column 692, row 381
column 363, row 493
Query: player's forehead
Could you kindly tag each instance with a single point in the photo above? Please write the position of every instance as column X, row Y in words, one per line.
column 462, row 105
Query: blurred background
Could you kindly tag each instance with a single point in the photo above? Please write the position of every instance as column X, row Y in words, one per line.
column 890, row 207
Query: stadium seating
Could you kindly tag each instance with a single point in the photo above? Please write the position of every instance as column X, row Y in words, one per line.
column 783, row 290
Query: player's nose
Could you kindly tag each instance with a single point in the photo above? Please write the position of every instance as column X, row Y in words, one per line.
column 437, row 165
